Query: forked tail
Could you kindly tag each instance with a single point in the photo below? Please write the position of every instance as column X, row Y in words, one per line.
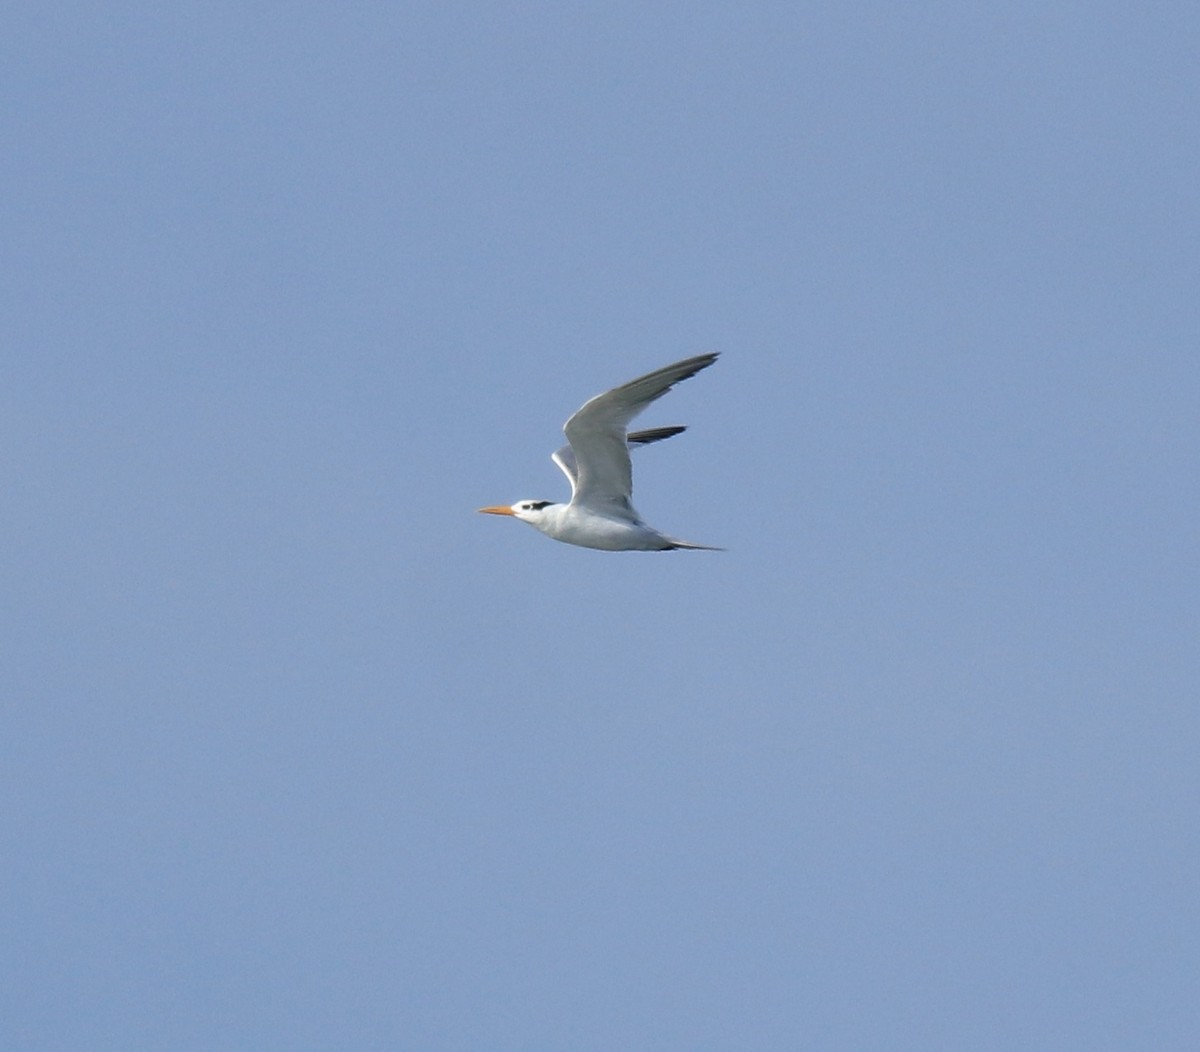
column 689, row 546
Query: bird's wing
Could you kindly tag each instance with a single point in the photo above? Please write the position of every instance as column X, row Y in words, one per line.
column 565, row 457
column 597, row 433
column 654, row 434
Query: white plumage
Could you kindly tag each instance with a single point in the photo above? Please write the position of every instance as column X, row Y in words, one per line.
column 596, row 462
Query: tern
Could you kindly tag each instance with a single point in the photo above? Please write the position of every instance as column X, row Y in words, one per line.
column 596, row 462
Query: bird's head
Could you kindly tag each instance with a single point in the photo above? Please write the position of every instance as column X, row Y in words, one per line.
column 531, row 511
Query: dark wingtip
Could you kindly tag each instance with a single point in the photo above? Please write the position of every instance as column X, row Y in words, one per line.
column 701, row 361
column 690, row 367
column 654, row 434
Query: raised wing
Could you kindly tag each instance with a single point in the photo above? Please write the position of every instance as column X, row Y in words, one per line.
column 565, row 457
column 603, row 476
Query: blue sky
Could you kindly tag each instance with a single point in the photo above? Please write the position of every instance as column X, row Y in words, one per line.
column 301, row 753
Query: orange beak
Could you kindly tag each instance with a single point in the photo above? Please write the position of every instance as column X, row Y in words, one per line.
column 496, row 510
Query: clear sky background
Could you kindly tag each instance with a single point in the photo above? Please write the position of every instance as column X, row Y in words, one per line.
column 299, row 752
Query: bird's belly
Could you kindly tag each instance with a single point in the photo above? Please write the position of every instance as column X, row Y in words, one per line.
column 613, row 535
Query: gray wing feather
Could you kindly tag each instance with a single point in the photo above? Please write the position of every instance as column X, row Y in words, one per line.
column 602, row 474
column 653, row 434
column 565, row 457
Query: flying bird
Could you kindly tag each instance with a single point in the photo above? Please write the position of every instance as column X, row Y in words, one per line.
column 596, row 462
